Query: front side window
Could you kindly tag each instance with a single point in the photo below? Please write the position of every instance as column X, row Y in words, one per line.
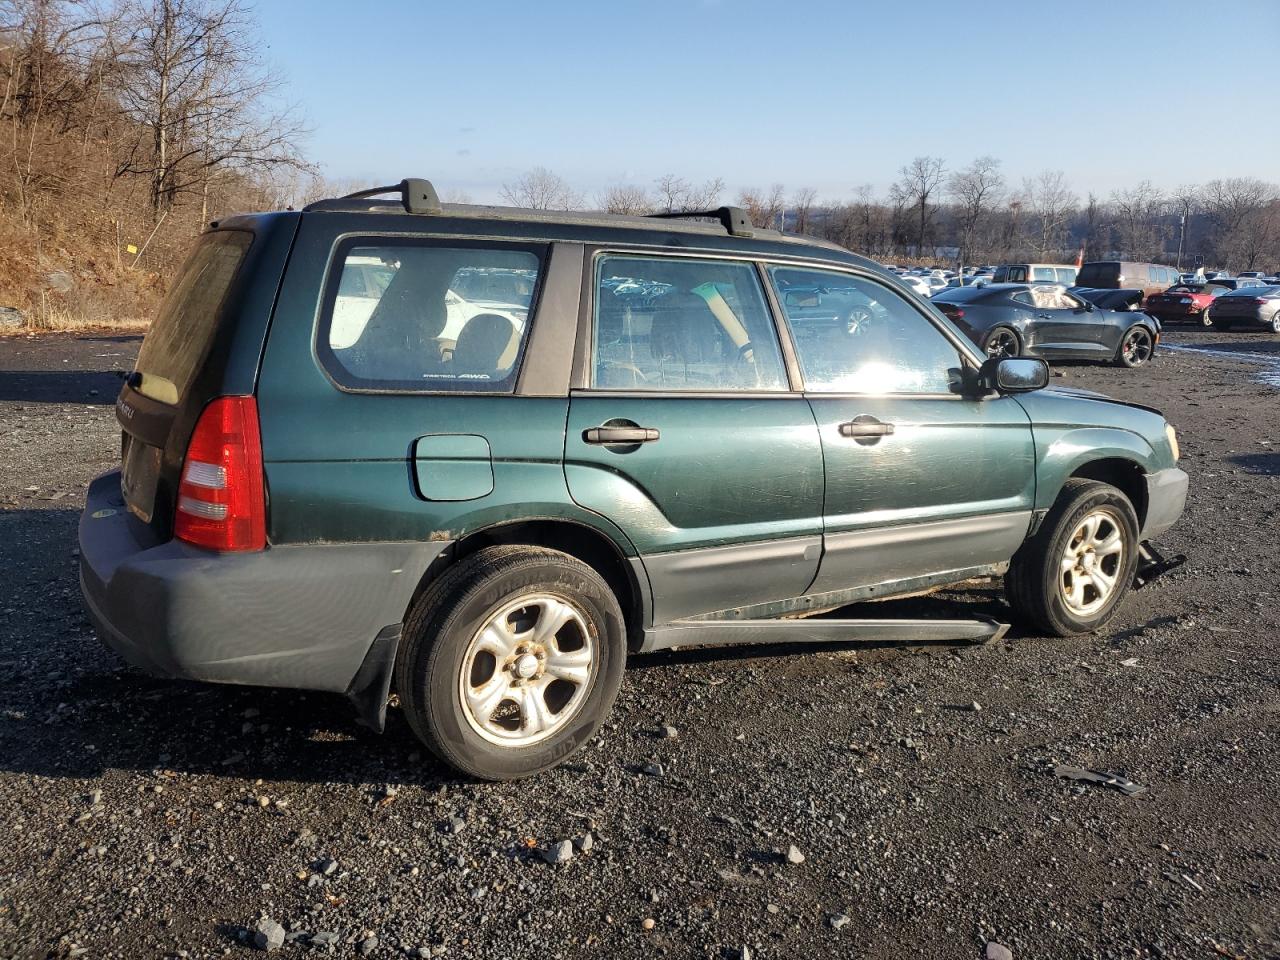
column 854, row 335
column 411, row 315
column 673, row 324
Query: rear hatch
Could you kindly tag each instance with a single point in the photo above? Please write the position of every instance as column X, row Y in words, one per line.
column 176, row 375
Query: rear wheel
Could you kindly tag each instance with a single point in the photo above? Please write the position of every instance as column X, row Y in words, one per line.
column 1136, row 347
column 511, row 660
column 1002, row 342
column 1072, row 574
column 1205, row 319
column 1275, row 322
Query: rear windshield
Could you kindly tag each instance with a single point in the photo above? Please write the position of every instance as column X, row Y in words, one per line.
column 180, row 336
column 1097, row 274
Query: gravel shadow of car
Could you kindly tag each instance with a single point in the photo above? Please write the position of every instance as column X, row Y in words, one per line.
column 1266, row 464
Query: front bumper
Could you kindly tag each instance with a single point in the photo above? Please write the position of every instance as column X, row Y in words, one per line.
column 1166, row 498
column 300, row 616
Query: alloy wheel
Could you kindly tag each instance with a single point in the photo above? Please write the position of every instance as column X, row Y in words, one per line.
column 527, row 670
column 1002, row 343
column 1091, row 562
column 1137, row 347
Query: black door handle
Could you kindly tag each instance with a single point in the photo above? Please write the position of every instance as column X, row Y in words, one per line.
column 620, row 434
column 865, row 427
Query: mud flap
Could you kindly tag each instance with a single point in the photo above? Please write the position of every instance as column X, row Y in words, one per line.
column 371, row 686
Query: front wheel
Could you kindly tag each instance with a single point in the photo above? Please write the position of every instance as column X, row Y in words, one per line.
column 1136, row 348
column 1275, row 322
column 511, row 660
column 1070, row 576
column 1205, row 319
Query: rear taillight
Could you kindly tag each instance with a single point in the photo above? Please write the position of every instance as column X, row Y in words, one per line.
column 953, row 313
column 221, row 500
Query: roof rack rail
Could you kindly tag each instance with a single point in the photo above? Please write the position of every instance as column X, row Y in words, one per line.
column 417, row 195
column 733, row 219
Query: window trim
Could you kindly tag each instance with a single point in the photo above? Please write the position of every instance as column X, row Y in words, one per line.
column 967, row 351
column 343, row 380
column 584, row 379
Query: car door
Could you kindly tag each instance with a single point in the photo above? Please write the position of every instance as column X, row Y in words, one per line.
column 685, row 432
column 920, row 480
column 1067, row 326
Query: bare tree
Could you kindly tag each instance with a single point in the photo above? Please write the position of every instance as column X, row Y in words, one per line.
column 675, row 194
column 801, row 204
column 920, row 180
column 976, row 189
column 1138, row 212
column 540, row 189
column 1050, row 202
column 764, row 208
column 625, row 198
column 200, row 98
column 1239, row 208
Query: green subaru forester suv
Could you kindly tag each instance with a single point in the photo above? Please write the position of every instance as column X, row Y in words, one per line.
column 476, row 455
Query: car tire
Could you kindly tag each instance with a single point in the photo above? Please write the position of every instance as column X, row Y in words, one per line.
column 482, row 676
column 1206, row 320
column 1061, row 601
column 1137, row 346
column 1275, row 322
column 998, row 337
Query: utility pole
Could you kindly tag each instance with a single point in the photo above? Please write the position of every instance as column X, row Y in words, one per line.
column 1182, row 236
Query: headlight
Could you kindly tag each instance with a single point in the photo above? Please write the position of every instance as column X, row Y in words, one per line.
column 1173, row 441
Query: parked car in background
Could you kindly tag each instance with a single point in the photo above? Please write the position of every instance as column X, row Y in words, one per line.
column 1255, row 274
column 1047, row 320
column 1114, row 274
column 1236, row 283
column 917, row 284
column 491, row 534
column 1063, row 273
column 935, row 283
column 1110, row 299
column 1251, row 306
column 1186, row 302
column 972, row 280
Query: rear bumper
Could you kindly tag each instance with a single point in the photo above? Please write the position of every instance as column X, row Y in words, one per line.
column 1166, row 498
column 299, row 616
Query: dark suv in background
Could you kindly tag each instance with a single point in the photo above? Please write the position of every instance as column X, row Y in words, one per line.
column 477, row 455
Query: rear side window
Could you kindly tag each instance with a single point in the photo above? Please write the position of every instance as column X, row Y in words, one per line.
column 178, row 340
column 1044, row 275
column 1066, row 276
column 420, row 316
column 674, row 324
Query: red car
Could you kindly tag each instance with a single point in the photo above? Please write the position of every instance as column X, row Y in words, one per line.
column 1185, row 302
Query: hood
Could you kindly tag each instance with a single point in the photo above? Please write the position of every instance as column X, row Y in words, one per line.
column 1101, row 397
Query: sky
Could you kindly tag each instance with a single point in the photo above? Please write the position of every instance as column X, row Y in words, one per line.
column 807, row 93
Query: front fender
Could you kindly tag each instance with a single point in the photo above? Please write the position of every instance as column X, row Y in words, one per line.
column 1061, row 451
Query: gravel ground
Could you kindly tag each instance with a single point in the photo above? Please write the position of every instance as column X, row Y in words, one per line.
column 149, row 818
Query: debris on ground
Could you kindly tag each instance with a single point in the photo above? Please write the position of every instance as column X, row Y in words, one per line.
column 1101, row 777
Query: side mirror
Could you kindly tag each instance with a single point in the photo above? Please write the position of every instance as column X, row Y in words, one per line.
column 1013, row 374
column 1088, row 306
